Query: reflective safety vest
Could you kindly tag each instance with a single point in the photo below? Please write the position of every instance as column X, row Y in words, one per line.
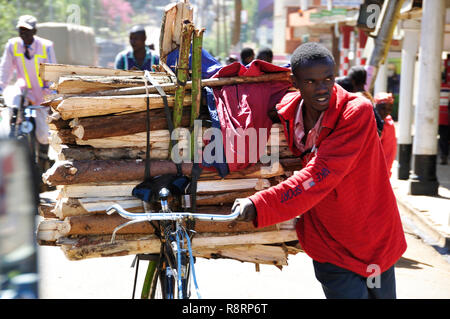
column 37, row 56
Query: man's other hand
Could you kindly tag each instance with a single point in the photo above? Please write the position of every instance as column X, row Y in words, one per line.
column 247, row 211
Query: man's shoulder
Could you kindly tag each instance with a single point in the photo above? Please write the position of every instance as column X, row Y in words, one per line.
column 46, row 42
column 13, row 41
column 123, row 53
column 358, row 104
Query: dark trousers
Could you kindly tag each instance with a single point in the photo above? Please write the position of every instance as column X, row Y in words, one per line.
column 339, row 283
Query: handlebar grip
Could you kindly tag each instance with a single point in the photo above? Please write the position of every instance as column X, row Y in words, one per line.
column 164, row 194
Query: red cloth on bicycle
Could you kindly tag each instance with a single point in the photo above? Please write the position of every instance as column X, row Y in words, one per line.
column 349, row 215
column 245, row 106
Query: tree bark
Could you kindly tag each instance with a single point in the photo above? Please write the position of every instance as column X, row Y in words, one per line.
column 102, row 171
column 52, row 72
column 113, row 125
column 93, row 84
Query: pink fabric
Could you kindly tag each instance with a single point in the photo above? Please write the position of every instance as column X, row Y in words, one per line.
column 242, row 108
column 389, row 142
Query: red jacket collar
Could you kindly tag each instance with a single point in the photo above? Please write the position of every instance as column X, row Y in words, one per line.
column 287, row 107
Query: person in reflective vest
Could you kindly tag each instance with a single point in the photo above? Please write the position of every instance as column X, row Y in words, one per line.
column 384, row 102
column 139, row 56
column 22, row 55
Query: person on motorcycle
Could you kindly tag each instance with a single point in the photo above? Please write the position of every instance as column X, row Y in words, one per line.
column 22, row 55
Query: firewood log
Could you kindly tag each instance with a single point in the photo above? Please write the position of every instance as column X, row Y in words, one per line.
column 100, row 246
column 52, row 72
column 85, row 106
column 126, row 124
column 101, row 171
column 125, row 189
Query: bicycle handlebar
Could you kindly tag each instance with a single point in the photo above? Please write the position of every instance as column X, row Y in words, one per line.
column 169, row 215
column 165, row 215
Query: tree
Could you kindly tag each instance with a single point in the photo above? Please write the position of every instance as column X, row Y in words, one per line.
column 7, row 22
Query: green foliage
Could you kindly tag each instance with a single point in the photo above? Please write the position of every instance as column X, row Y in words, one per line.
column 7, row 22
column 251, row 6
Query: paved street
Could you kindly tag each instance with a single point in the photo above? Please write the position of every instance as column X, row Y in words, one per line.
column 421, row 273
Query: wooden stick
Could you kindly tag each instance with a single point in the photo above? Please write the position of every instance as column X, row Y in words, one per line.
column 214, row 82
column 182, row 72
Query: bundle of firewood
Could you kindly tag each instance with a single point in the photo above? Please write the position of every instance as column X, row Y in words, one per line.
column 98, row 137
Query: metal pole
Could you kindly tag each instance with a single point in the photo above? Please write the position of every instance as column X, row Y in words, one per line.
column 388, row 21
column 424, row 181
column 381, row 81
column 411, row 30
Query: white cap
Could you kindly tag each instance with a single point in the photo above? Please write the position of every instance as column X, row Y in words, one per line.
column 27, row 22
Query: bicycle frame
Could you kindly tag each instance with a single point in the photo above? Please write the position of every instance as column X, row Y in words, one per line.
column 172, row 241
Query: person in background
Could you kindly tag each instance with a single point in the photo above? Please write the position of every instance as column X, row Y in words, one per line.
column 265, row 54
column 358, row 77
column 384, row 103
column 345, row 209
column 139, row 56
column 231, row 59
column 247, row 56
column 345, row 82
column 22, row 56
column 444, row 132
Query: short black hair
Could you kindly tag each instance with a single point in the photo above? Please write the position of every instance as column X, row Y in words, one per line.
column 247, row 53
column 265, row 54
column 308, row 52
column 345, row 82
column 358, row 74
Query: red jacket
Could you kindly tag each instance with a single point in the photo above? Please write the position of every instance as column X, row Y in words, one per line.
column 349, row 215
column 389, row 142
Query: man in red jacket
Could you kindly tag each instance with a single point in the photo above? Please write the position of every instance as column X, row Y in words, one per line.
column 348, row 222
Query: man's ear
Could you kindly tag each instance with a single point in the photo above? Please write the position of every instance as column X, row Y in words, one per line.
column 294, row 81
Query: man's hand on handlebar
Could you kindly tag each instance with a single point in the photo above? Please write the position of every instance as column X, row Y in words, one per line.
column 246, row 208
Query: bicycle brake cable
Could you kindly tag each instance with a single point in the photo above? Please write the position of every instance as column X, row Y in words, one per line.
column 191, row 261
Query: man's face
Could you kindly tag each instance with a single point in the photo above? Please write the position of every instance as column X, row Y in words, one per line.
column 384, row 109
column 315, row 82
column 27, row 35
column 137, row 40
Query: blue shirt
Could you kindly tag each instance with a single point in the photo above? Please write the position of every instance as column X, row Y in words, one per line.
column 125, row 60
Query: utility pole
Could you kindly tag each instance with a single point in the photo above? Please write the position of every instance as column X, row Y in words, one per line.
column 386, row 26
column 423, row 181
column 237, row 23
column 410, row 46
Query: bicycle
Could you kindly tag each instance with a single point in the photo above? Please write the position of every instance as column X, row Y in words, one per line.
column 168, row 274
column 22, row 126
